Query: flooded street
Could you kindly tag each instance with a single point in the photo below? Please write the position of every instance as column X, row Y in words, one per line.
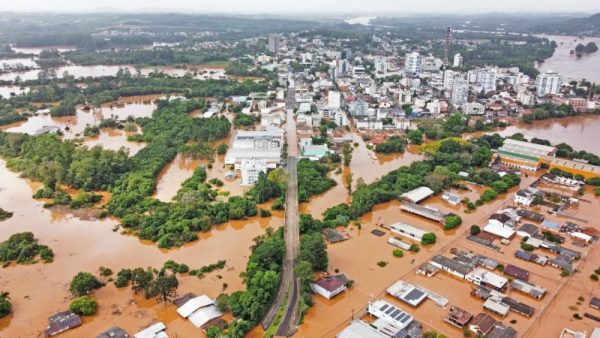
column 87, row 245
column 580, row 132
column 570, row 66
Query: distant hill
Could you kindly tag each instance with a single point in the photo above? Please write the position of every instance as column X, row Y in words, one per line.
column 589, row 26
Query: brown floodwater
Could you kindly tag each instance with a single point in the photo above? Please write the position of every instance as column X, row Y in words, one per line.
column 39, row 290
column 370, row 166
column 73, row 126
column 114, row 139
column 581, row 132
column 173, row 174
column 112, row 70
column 358, row 257
column 8, row 91
column 570, row 66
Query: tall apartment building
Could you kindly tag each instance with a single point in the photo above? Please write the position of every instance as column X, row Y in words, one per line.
column 548, row 83
column 488, row 81
column 273, row 43
column 412, row 63
column 460, row 93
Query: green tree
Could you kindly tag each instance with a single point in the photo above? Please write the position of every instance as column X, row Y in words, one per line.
column 314, row 251
column 428, row 238
column 83, row 283
column 304, row 271
column 5, row 305
column 84, row 305
column 164, row 287
column 452, row 222
column 415, row 136
column 475, row 230
column 347, row 154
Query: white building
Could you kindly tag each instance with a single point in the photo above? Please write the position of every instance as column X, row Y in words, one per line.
column 548, row 83
column 384, row 310
column 273, row 43
column 525, row 97
column 381, row 65
column 329, row 286
column 334, row 99
column 488, row 81
column 460, row 94
column 458, row 60
column 412, row 63
column 251, row 168
column 474, row 108
column 261, row 145
column 434, row 107
column 486, row 278
column 524, row 197
column 408, row 231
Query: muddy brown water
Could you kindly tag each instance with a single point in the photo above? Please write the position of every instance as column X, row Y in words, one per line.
column 39, row 290
column 569, row 65
column 581, row 132
column 112, row 70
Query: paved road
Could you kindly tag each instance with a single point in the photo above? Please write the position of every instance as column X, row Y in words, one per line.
column 288, row 287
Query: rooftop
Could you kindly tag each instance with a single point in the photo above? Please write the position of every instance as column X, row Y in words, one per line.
column 527, row 150
column 418, row 194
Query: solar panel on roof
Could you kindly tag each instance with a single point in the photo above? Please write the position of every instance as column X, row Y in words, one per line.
column 414, row 295
column 395, row 313
column 389, row 310
column 402, row 315
column 405, row 319
column 384, row 307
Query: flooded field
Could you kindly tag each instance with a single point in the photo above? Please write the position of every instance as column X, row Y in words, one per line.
column 581, row 132
column 87, row 245
column 114, row 139
column 9, row 91
column 569, row 65
column 111, row 70
column 73, row 126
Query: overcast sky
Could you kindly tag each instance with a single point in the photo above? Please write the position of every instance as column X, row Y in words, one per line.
column 305, row 6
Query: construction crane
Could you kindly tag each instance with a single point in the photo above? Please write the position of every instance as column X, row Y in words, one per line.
column 447, row 45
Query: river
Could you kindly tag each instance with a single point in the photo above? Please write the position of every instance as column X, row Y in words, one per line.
column 581, row 132
column 570, row 66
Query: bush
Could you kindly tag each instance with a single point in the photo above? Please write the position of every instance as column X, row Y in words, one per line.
column 398, row 253
column 222, row 148
column 414, row 248
column 452, row 222
column 264, row 213
column 83, row 283
column 382, row 264
column 84, row 305
column 594, row 277
column 104, row 271
column 5, row 305
column 475, row 230
column 527, row 247
column 429, row 238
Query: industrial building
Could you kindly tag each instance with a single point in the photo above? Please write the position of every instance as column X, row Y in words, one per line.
column 524, row 155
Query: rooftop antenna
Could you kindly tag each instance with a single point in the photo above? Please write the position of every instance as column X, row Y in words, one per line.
column 447, row 45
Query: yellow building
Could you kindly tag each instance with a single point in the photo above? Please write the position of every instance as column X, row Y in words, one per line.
column 573, row 167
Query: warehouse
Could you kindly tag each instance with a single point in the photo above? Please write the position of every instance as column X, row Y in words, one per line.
column 524, row 155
